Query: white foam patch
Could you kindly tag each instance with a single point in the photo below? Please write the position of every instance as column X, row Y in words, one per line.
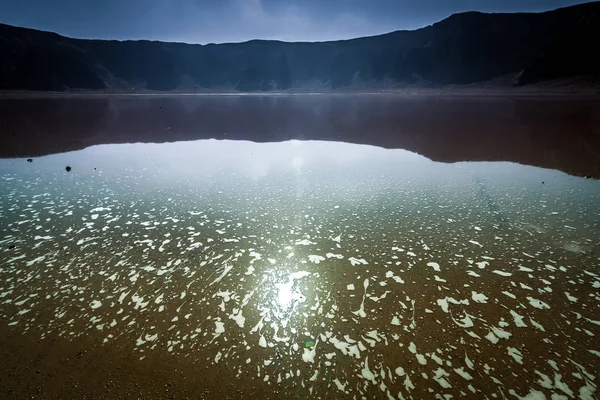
column 518, row 319
column 443, row 303
column 299, row 275
column 537, row 325
column 461, row 371
column 571, row 298
column 95, row 304
column 42, row 237
column 304, row 242
column 347, row 348
column 339, row 385
column 537, row 303
column 361, row 311
column 479, row 297
column 332, row 255
column 238, row 317
column 434, row 265
column 35, row 261
column 357, row 261
column 262, row 342
column 592, row 321
column 492, row 338
column 366, row 373
column 397, row 279
column 308, row 355
column 594, row 352
column 515, row 354
column 559, row 384
column 469, row 362
column 440, row 376
column 219, row 329
column 316, row 259
column 99, row 209
column 408, row 385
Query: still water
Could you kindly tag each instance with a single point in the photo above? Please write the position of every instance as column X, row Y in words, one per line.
column 297, row 269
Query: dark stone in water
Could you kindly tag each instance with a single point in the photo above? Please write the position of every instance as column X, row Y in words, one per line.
column 68, row 169
column 29, row 160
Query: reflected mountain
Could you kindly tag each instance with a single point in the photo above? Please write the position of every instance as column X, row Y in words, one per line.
column 555, row 133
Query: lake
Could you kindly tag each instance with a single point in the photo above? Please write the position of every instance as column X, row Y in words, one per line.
column 331, row 246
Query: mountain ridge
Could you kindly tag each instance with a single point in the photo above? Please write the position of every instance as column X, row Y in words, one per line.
column 463, row 49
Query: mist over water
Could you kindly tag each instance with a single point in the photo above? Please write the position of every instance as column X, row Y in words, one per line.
column 302, row 268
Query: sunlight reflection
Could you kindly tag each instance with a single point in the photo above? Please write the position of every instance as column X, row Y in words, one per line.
column 284, row 293
column 288, row 293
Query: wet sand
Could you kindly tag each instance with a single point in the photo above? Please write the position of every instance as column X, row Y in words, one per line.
column 231, row 269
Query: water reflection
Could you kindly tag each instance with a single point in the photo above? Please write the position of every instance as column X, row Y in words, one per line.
column 302, row 268
column 289, row 294
column 560, row 133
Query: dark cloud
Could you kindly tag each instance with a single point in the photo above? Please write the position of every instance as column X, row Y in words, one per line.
column 204, row 21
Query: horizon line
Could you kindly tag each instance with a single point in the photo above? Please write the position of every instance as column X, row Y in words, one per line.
column 303, row 41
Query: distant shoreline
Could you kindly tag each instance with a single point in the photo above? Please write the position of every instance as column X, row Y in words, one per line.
column 460, row 92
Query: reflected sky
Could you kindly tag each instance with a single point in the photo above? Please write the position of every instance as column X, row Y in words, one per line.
column 202, row 158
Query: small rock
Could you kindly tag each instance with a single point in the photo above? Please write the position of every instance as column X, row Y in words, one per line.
column 68, row 169
column 29, row 160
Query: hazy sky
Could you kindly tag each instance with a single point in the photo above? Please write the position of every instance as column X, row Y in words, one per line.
column 205, row 21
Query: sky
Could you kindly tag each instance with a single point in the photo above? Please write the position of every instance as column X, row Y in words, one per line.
column 218, row 21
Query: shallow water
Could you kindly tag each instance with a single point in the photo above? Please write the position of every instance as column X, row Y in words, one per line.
column 299, row 269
